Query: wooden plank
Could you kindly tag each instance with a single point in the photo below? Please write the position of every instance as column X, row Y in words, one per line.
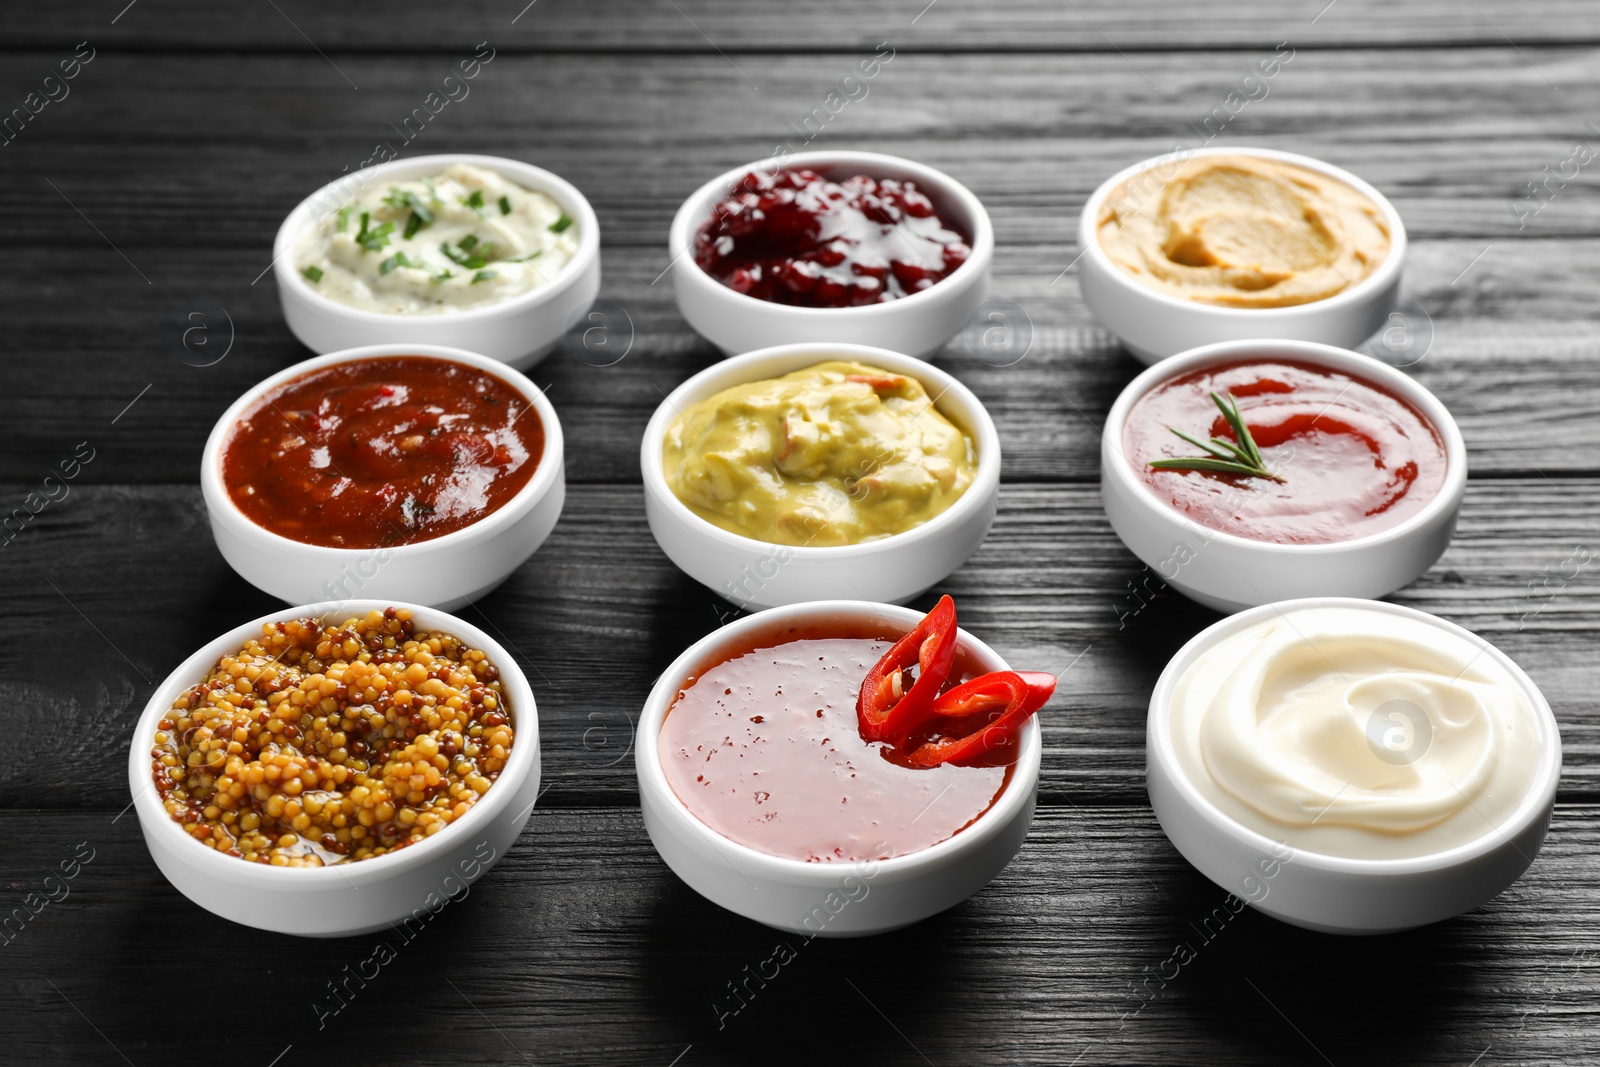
column 1513, row 353
column 582, row 946
column 171, row 238
column 734, row 27
column 1454, row 137
column 198, row 126
column 599, row 612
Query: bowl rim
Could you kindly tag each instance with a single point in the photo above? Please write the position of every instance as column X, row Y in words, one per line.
column 696, row 208
column 653, row 780
column 735, row 370
column 1160, row 748
column 1367, row 288
column 1114, row 464
column 208, row 861
column 530, row 177
column 551, row 464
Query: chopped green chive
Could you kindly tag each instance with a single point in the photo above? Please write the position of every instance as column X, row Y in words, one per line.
column 561, row 225
column 468, row 242
column 402, row 200
column 343, row 221
column 378, row 238
column 482, row 276
column 313, row 274
column 396, row 199
column 372, row 240
column 505, row 206
column 399, row 259
column 471, row 261
column 475, row 201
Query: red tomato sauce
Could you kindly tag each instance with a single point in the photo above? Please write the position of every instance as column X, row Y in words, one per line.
column 797, row 237
column 384, row 451
column 1355, row 458
column 764, row 748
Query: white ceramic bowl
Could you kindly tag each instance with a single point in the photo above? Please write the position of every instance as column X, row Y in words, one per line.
column 404, row 887
column 1332, row 893
column 919, row 324
column 1227, row 572
column 785, row 893
column 519, row 331
column 1154, row 325
column 756, row 574
column 446, row 572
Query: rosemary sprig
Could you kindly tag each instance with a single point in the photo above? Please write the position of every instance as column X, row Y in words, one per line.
column 1240, row 457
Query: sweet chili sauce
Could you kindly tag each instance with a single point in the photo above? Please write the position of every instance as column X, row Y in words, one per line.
column 1355, row 458
column 763, row 747
column 383, row 451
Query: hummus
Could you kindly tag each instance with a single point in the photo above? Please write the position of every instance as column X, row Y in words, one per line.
column 1243, row 231
column 835, row 454
column 463, row 238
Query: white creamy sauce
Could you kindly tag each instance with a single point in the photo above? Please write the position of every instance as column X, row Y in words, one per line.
column 1353, row 732
column 478, row 239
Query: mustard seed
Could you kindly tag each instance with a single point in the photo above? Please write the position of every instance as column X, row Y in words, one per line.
column 306, row 747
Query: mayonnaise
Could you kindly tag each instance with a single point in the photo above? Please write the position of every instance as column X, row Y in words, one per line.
column 1356, row 732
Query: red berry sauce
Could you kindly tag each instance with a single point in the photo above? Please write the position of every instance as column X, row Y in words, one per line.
column 795, row 237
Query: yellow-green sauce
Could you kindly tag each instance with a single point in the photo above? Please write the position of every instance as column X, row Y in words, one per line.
column 835, row 454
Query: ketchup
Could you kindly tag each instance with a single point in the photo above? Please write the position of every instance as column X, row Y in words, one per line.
column 1355, row 459
column 383, row 451
column 796, row 237
column 764, row 748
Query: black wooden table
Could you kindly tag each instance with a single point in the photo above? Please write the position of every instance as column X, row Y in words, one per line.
column 139, row 205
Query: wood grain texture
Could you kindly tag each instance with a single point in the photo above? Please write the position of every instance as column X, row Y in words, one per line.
column 1517, row 361
column 582, row 947
column 171, row 238
column 734, row 26
column 598, row 613
column 140, row 209
column 1451, row 136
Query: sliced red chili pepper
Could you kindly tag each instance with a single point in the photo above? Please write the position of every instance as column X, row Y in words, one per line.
column 1017, row 695
column 886, row 708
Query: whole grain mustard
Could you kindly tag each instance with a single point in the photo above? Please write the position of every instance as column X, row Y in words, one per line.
column 329, row 742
